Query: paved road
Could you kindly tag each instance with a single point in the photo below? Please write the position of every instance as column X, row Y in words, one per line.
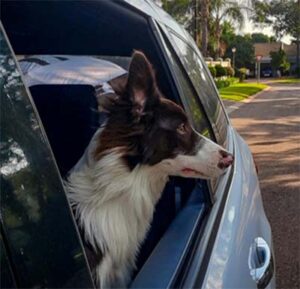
column 270, row 123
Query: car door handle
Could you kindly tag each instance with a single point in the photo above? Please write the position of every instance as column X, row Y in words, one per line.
column 261, row 263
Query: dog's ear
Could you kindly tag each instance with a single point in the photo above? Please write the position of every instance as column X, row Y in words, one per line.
column 141, row 84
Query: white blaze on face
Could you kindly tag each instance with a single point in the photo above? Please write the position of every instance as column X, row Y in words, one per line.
column 209, row 161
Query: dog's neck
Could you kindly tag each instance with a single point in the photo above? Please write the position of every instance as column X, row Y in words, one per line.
column 102, row 186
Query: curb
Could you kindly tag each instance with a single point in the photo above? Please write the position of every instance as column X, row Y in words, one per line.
column 230, row 109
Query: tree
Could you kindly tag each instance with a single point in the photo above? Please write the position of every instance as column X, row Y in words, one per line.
column 260, row 38
column 244, row 56
column 222, row 10
column 204, row 25
column 189, row 13
column 279, row 61
column 283, row 16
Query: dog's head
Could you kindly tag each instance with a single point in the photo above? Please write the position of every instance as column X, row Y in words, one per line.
column 149, row 129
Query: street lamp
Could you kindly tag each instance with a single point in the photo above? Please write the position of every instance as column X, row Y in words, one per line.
column 233, row 49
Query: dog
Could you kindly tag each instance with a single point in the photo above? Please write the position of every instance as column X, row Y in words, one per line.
column 115, row 186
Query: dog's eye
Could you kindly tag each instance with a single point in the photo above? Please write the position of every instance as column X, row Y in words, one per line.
column 181, row 129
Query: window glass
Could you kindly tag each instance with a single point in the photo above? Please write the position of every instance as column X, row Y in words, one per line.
column 203, row 84
column 189, row 96
column 39, row 231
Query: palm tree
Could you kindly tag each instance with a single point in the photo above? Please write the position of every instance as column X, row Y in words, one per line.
column 222, row 10
column 204, row 4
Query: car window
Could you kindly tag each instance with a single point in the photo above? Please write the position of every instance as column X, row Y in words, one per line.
column 188, row 95
column 203, row 84
column 40, row 236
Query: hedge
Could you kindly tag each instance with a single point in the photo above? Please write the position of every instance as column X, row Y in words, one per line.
column 220, row 83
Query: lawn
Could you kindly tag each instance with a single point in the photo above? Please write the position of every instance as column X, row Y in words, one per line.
column 286, row 80
column 241, row 91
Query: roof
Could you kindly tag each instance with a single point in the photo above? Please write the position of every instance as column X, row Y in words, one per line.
column 151, row 9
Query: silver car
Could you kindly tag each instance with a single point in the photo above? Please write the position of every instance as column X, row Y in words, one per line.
column 204, row 234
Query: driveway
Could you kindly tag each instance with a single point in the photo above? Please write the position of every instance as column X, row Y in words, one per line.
column 270, row 123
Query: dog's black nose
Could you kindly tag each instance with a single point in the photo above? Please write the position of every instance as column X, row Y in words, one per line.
column 226, row 160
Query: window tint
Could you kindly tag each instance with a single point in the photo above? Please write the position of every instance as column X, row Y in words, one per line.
column 189, row 96
column 40, row 235
column 203, row 84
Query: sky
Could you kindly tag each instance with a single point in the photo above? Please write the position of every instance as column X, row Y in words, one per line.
column 250, row 28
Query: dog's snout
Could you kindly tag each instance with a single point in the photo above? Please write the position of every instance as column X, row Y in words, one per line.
column 226, row 160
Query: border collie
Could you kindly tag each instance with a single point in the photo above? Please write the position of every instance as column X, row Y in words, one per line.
column 115, row 186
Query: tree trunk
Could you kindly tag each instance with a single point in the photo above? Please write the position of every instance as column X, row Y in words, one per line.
column 204, row 24
column 195, row 21
column 218, row 38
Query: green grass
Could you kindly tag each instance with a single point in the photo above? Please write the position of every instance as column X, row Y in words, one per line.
column 286, row 80
column 241, row 91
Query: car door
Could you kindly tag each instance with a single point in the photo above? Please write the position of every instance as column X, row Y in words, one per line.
column 227, row 257
column 40, row 246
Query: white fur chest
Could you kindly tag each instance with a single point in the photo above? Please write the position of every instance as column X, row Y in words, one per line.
column 114, row 207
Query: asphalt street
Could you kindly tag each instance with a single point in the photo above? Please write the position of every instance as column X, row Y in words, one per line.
column 270, row 123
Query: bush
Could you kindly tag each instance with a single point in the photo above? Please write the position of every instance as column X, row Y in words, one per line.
column 221, row 71
column 225, row 83
column 242, row 74
column 230, row 71
column 213, row 71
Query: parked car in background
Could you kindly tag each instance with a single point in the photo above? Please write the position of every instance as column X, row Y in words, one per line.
column 266, row 72
column 203, row 235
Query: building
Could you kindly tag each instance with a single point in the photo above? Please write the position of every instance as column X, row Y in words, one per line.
column 264, row 49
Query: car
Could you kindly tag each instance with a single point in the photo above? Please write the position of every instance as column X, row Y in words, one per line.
column 267, row 72
column 204, row 234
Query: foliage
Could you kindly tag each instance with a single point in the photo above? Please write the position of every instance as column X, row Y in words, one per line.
column 279, row 61
column 221, row 83
column 241, row 91
column 220, row 11
column 230, row 71
column 220, row 70
column 260, row 38
column 244, row 55
column 242, row 74
column 212, row 70
column 179, row 9
column 283, row 16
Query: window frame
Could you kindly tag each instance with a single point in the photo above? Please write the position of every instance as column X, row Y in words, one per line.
column 170, row 34
column 201, row 253
column 55, row 195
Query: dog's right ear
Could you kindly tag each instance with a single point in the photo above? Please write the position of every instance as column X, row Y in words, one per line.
column 141, row 84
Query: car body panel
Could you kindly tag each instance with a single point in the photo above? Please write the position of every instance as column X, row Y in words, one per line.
column 243, row 220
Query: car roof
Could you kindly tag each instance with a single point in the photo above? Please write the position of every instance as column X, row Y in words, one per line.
column 151, row 9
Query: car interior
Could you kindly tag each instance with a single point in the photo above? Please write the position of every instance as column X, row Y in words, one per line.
column 69, row 110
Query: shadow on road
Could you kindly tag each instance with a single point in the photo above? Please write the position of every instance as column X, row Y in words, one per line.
column 271, row 126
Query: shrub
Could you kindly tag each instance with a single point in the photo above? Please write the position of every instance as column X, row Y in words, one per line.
column 242, row 74
column 220, row 83
column 230, row 71
column 213, row 71
column 221, row 71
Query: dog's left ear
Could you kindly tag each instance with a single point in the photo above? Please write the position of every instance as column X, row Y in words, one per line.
column 141, row 84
